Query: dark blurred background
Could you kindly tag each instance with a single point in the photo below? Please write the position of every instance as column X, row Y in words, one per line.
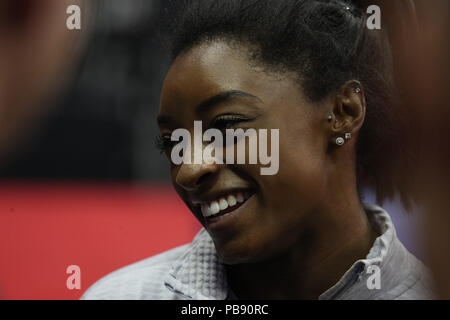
column 102, row 127
column 81, row 182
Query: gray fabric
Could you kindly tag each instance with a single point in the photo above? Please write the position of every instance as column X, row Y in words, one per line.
column 193, row 271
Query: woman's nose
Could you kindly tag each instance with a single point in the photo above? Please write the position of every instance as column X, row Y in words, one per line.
column 194, row 176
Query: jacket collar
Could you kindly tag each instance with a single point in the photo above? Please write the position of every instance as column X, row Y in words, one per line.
column 198, row 274
column 380, row 255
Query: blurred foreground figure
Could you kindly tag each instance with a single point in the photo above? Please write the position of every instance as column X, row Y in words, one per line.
column 36, row 52
column 436, row 137
column 422, row 63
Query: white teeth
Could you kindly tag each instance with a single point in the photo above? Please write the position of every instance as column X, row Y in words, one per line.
column 214, row 207
column 231, row 200
column 206, row 211
column 223, row 204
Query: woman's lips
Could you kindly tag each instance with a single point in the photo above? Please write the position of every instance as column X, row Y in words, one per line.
column 224, row 204
column 222, row 220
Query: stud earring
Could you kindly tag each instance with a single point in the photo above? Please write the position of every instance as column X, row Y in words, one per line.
column 340, row 141
column 348, row 136
column 330, row 117
column 358, row 90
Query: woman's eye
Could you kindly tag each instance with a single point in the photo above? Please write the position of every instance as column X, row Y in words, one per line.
column 226, row 122
column 164, row 143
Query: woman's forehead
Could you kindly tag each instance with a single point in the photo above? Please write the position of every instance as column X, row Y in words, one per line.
column 210, row 62
column 214, row 67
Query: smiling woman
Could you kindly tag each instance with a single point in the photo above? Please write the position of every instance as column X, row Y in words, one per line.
column 312, row 70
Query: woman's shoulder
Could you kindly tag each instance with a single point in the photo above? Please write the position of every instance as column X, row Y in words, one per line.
column 138, row 281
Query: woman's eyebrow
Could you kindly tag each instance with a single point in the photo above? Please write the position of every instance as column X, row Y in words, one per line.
column 212, row 101
column 222, row 97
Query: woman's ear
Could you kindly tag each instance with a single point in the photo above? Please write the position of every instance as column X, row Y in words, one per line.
column 349, row 109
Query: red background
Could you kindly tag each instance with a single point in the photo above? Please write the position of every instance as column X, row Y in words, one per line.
column 46, row 227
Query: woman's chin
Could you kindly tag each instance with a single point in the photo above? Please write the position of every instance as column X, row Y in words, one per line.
column 235, row 254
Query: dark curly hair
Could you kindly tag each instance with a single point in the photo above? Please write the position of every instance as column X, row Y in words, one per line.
column 326, row 43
